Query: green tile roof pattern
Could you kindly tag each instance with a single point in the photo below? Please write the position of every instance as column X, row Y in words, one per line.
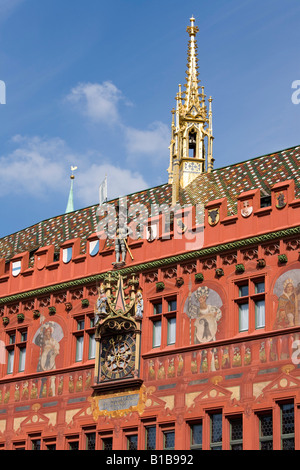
column 78, row 224
column 262, row 172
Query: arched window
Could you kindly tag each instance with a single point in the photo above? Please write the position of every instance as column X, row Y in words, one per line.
column 192, row 144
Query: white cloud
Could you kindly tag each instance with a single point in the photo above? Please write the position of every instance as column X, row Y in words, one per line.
column 41, row 167
column 33, row 167
column 98, row 101
column 7, row 7
column 153, row 141
column 120, row 182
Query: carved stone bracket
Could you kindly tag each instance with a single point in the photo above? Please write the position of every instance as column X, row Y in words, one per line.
column 272, row 249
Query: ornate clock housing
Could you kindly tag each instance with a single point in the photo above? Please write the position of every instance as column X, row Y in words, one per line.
column 118, row 330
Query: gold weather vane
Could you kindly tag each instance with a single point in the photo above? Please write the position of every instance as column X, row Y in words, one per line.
column 73, row 168
column 70, row 205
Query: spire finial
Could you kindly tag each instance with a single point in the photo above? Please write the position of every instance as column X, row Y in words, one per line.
column 192, row 86
column 70, row 205
column 192, row 29
column 73, row 168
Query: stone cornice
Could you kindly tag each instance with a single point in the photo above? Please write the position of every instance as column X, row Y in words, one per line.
column 237, row 244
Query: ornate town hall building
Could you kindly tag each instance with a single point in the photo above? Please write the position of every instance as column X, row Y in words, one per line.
column 176, row 330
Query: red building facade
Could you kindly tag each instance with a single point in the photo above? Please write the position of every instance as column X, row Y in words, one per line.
column 189, row 342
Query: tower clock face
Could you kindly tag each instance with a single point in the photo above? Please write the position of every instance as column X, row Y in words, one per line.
column 117, row 356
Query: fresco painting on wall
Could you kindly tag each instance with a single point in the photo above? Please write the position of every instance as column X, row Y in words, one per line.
column 203, row 307
column 287, row 292
column 47, row 338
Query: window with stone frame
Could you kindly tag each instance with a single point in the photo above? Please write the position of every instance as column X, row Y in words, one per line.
column 236, row 432
column 266, row 430
column 84, row 337
column 16, row 344
column 287, row 426
column 250, row 304
column 216, row 429
column 163, row 312
column 196, row 434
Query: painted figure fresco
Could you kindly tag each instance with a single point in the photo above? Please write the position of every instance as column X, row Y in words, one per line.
column 204, row 307
column 287, row 291
column 47, row 338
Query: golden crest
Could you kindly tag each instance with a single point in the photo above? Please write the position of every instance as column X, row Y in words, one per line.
column 213, row 216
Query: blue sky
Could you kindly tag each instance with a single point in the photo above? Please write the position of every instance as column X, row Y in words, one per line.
column 92, row 83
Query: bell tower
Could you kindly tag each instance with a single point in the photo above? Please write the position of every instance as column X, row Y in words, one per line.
column 191, row 131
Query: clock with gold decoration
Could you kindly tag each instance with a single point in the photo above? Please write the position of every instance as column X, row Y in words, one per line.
column 117, row 357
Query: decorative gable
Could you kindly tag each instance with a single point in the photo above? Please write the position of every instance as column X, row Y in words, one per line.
column 211, row 393
column 281, row 384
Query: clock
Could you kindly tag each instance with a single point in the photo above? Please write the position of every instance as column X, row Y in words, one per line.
column 117, row 359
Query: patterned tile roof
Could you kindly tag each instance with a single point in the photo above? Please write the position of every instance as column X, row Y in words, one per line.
column 261, row 172
column 78, row 224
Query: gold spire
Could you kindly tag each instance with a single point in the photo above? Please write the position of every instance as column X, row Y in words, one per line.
column 191, row 132
column 192, row 97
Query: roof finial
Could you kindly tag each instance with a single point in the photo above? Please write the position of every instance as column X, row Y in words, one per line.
column 73, row 168
column 192, row 85
column 70, row 205
column 192, row 29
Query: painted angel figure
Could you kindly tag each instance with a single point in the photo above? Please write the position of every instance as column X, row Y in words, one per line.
column 47, row 338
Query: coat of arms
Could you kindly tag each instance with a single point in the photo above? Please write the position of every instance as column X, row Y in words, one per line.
column 246, row 210
column 213, row 216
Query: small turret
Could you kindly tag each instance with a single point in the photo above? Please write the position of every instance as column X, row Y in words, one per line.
column 191, row 131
